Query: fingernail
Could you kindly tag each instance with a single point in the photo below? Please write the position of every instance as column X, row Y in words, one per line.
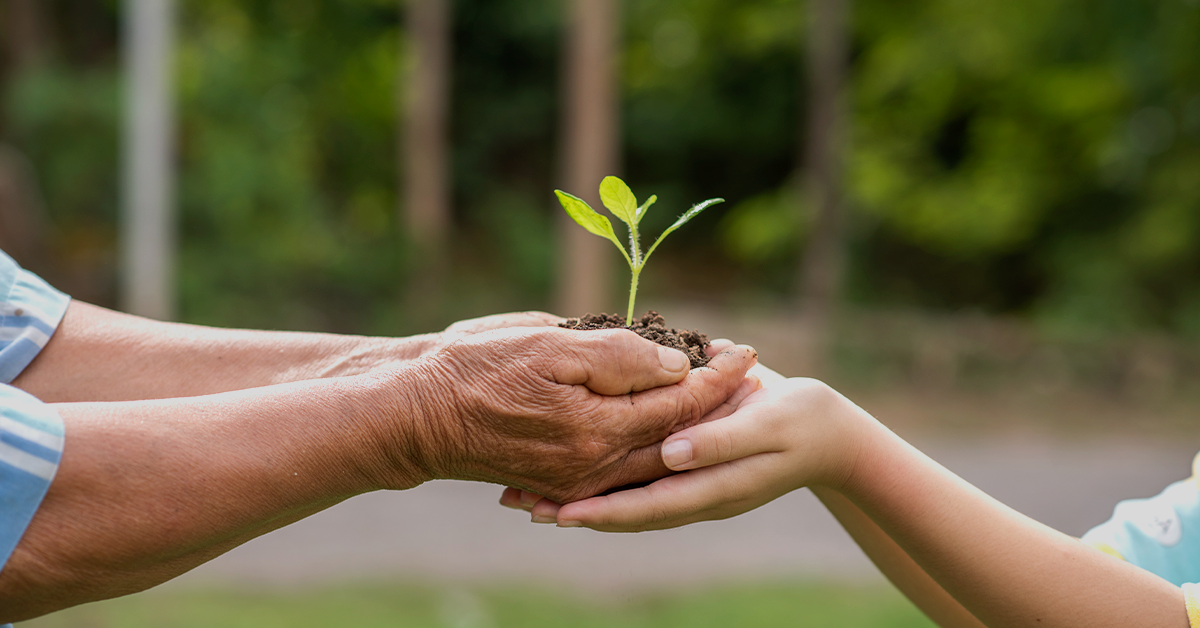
column 677, row 453
column 672, row 359
column 528, row 499
column 570, row 524
column 544, row 519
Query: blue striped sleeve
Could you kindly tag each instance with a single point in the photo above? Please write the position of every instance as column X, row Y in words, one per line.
column 31, row 445
column 31, row 432
column 30, row 311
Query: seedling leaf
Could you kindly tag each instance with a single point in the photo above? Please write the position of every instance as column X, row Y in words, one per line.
column 641, row 211
column 582, row 213
column 688, row 215
column 619, row 200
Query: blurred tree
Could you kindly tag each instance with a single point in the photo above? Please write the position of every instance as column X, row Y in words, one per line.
column 589, row 149
column 26, row 33
column 820, row 275
column 288, row 118
column 1026, row 158
column 23, row 224
column 711, row 102
column 1011, row 151
column 425, row 150
column 426, row 141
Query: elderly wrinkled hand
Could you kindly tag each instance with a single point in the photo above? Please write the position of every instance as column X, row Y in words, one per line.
column 547, row 509
column 562, row 413
column 471, row 326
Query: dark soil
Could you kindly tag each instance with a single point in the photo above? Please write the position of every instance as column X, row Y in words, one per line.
column 651, row 327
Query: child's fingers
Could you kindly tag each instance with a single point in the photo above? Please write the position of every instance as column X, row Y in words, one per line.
column 511, row 498
column 529, row 499
column 749, row 386
column 733, row 437
column 701, row 495
column 545, row 511
column 667, row 503
column 517, row 499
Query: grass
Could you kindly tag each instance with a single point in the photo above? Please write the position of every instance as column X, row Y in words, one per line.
column 795, row 605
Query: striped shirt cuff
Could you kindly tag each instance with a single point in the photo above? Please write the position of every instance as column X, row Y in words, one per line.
column 31, row 445
column 30, row 311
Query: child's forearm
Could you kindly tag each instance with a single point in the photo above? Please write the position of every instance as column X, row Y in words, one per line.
column 899, row 567
column 1000, row 566
column 1003, row 567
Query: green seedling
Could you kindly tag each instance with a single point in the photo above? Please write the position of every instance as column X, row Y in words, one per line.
column 619, row 200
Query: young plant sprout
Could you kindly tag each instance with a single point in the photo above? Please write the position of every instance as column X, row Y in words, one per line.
column 619, row 200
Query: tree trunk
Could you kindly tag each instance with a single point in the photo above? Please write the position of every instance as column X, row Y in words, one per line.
column 23, row 224
column 26, row 32
column 148, row 217
column 822, row 269
column 589, row 151
column 424, row 146
column 425, row 134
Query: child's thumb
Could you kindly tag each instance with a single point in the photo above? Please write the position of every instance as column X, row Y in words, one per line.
column 706, row 444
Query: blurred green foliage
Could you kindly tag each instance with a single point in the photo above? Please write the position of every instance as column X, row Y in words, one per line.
column 1035, row 158
column 287, row 187
column 1042, row 157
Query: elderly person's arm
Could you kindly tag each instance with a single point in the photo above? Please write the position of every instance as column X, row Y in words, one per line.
column 147, row 490
column 101, row 355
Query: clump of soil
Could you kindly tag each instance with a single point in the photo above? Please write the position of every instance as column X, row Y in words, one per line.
column 653, row 327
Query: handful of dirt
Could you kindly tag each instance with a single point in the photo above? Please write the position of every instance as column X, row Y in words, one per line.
column 652, row 327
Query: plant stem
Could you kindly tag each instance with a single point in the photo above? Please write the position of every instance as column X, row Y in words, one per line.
column 633, row 286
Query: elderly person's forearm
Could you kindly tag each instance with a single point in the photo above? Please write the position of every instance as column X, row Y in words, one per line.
column 148, row 490
column 101, row 355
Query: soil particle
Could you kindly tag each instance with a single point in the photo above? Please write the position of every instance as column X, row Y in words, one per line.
column 651, row 326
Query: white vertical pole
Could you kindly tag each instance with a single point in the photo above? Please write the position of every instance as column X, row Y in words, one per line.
column 147, row 219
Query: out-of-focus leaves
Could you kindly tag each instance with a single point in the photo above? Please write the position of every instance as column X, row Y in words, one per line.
column 764, row 228
column 1031, row 157
column 68, row 123
column 1025, row 133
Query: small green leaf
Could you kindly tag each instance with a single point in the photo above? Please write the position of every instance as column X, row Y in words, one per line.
column 694, row 211
column 641, row 211
column 582, row 213
column 688, row 215
column 619, row 200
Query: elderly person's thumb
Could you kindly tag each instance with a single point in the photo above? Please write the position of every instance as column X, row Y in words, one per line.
column 618, row 362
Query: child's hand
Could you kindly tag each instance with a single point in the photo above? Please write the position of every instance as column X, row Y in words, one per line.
column 793, row 433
